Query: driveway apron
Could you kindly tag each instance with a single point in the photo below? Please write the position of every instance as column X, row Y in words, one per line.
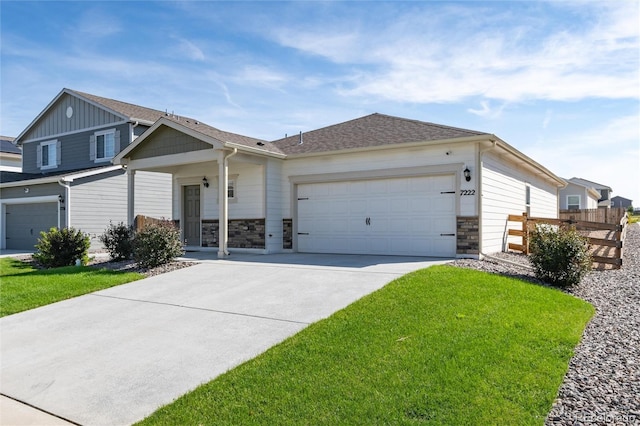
column 115, row 356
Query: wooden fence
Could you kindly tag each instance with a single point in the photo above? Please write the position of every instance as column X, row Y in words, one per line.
column 606, row 240
column 141, row 221
column 612, row 215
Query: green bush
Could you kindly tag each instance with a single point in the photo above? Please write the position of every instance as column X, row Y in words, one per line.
column 560, row 257
column 62, row 247
column 118, row 240
column 157, row 244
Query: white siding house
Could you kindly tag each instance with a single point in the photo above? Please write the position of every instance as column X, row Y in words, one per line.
column 373, row 185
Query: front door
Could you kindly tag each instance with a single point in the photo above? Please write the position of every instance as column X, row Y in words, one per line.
column 192, row 215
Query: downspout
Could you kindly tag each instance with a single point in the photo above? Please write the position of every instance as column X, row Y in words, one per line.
column 132, row 125
column 67, row 202
column 223, row 195
column 480, row 164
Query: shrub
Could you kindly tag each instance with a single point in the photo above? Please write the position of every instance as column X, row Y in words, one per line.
column 559, row 257
column 118, row 240
column 157, row 244
column 62, row 247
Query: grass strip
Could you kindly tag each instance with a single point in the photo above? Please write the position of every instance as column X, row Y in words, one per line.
column 442, row 345
column 23, row 287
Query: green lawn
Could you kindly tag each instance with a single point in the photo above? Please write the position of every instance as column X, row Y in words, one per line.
column 438, row 346
column 23, row 287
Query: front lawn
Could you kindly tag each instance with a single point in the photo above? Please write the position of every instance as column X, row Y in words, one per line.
column 23, row 287
column 441, row 345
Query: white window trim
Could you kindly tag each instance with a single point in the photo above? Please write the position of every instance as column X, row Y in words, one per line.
column 569, row 204
column 41, row 147
column 93, row 145
column 232, row 179
column 105, row 133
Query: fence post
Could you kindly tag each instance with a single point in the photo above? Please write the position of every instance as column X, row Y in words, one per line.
column 525, row 233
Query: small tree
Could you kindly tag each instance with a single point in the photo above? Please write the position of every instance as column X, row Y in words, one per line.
column 118, row 240
column 157, row 244
column 62, row 247
column 559, row 256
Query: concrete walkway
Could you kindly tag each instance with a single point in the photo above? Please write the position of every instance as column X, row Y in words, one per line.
column 114, row 356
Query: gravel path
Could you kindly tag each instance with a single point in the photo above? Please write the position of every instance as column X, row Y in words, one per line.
column 602, row 386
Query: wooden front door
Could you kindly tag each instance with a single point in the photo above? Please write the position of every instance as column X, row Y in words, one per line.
column 192, row 215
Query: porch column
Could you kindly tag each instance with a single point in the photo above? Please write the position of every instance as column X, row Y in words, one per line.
column 131, row 197
column 223, row 206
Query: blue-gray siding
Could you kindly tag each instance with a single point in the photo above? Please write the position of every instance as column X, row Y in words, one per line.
column 74, row 150
column 55, row 121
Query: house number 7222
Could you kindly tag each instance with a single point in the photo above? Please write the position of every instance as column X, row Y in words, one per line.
column 467, row 192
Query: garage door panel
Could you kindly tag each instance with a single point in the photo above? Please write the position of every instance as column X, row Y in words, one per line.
column 403, row 216
column 24, row 222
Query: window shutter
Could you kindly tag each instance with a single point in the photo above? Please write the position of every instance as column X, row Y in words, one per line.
column 39, row 156
column 58, row 153
column 92, row 147
column 116, row 143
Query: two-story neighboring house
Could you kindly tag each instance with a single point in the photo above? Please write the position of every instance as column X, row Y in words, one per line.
column 68, row 179
column 10, row 155
column 580, row 194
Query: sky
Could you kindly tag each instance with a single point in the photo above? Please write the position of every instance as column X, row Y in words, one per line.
column 559, row 80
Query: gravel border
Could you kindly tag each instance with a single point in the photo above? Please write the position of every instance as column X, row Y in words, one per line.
column 602, row 386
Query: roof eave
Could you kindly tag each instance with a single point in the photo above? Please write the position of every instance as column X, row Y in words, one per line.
column 465, row 139
column 560, row 183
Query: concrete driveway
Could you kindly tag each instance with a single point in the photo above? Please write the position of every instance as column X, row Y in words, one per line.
column 114, row 356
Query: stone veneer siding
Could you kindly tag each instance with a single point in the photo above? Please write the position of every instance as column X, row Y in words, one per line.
column 287, row 233
column 243, row 233
column 468, row 235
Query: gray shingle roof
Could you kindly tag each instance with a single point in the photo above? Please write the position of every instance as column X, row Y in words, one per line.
column 370, row 131
column 136, row 112
column 221, row 135
column 133, row 112
column 7, row 146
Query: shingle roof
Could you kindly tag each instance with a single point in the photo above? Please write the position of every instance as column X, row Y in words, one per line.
column 136, row 112
column 9, row 177
column 369, row 131
column 133, row 112
column 224, row 136
column 7, row 146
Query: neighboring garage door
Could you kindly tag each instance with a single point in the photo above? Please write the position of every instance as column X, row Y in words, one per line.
column 25, row 221
column 413, row 216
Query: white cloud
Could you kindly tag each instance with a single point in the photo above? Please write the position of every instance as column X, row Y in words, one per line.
column 190, row 50
column 487, row 111
column 421, row 57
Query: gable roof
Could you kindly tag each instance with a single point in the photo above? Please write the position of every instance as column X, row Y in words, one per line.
column 594, row 193
column 202, row 132
column 588, row 183
column 373, row 130
column 130, row 111
column 124, row 110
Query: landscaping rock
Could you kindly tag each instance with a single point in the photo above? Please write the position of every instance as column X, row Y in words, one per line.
column 602, row 386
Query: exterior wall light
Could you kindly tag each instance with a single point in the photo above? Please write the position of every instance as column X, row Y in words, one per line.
column 467, row 174
column 60, row 199
column 205, row 182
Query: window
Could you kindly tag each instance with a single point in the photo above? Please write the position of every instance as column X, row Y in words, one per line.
column 48, row 155
column 105, row 145
column 573, row 202
column 231, row 189
column 527, row 199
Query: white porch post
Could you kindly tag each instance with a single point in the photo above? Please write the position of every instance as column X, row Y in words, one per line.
column 131, row 197
column 223, row 205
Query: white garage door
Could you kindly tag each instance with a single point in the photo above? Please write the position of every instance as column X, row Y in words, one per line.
column 25, row 221
column 413, row 216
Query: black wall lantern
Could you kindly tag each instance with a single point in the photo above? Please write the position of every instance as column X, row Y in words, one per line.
column 467, row 174
column 205, row 182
